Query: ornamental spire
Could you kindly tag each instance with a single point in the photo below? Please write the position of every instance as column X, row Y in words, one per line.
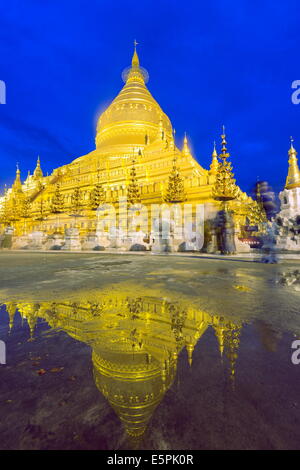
column 293, row 177
column 186, row 150
column 17, row 186
column 38, row 171
column 214, row 162
column 135, row 73
column 225, row 188
column 224, row 154
column 135, row 58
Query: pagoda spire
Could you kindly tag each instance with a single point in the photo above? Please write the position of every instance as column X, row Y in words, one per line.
column 17, row 186
column 185, row 149
column 135, row 73
column 225, row 188
column 293, row 177
column 214, row 162
column 37, row 174
column 135, row 58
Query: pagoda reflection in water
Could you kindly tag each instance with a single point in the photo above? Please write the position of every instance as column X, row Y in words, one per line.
column 135, row 345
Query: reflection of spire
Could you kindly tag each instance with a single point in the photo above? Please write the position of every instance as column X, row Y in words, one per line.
column 220, row 332
column 232, row 346
column 11, row 310
column 190, row 349
column 29, row 312
column 293, row 177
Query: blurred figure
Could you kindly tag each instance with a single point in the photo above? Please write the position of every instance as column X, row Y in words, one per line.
column 264, row 194
column 269, row 242
column 224, row 228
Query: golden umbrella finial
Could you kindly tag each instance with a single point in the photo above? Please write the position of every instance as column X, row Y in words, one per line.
column 135, row 59
column 292, row 140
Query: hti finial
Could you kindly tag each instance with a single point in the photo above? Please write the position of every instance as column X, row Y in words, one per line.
column 135, row 60
column 224, row 143
column 292, row 140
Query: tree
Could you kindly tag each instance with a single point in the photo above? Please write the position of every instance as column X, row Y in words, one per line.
column 97, row 196
column 57, row 204
column 76, row 202
column 41, row 210
column 225, row 188
column 133, row 190
column 5, row 215
column 175, row 189
column 25, row 208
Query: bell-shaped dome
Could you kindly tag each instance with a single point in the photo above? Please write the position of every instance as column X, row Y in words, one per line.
column 133, row 387
column 133, row 117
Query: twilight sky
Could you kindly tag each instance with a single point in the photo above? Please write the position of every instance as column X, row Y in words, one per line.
column 210, row 63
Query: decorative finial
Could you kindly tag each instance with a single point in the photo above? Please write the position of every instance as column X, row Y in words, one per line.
column 135, row 59
column 214, row 162
column 224, row 143
column 186, row 150
column 292, row 140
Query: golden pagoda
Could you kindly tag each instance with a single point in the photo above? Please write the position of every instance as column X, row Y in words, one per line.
column 132, row 128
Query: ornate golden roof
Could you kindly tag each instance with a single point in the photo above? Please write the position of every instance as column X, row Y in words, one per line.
column 133, row 114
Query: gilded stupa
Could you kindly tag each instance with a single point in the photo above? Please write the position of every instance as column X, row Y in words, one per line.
column 133, row 137
column 288, row 218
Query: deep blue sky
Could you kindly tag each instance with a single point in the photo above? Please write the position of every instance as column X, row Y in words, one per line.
column 209, row 63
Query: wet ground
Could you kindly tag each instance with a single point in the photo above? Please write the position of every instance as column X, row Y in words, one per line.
column 154, row 352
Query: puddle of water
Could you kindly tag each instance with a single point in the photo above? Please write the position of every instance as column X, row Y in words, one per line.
column 121, row 370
